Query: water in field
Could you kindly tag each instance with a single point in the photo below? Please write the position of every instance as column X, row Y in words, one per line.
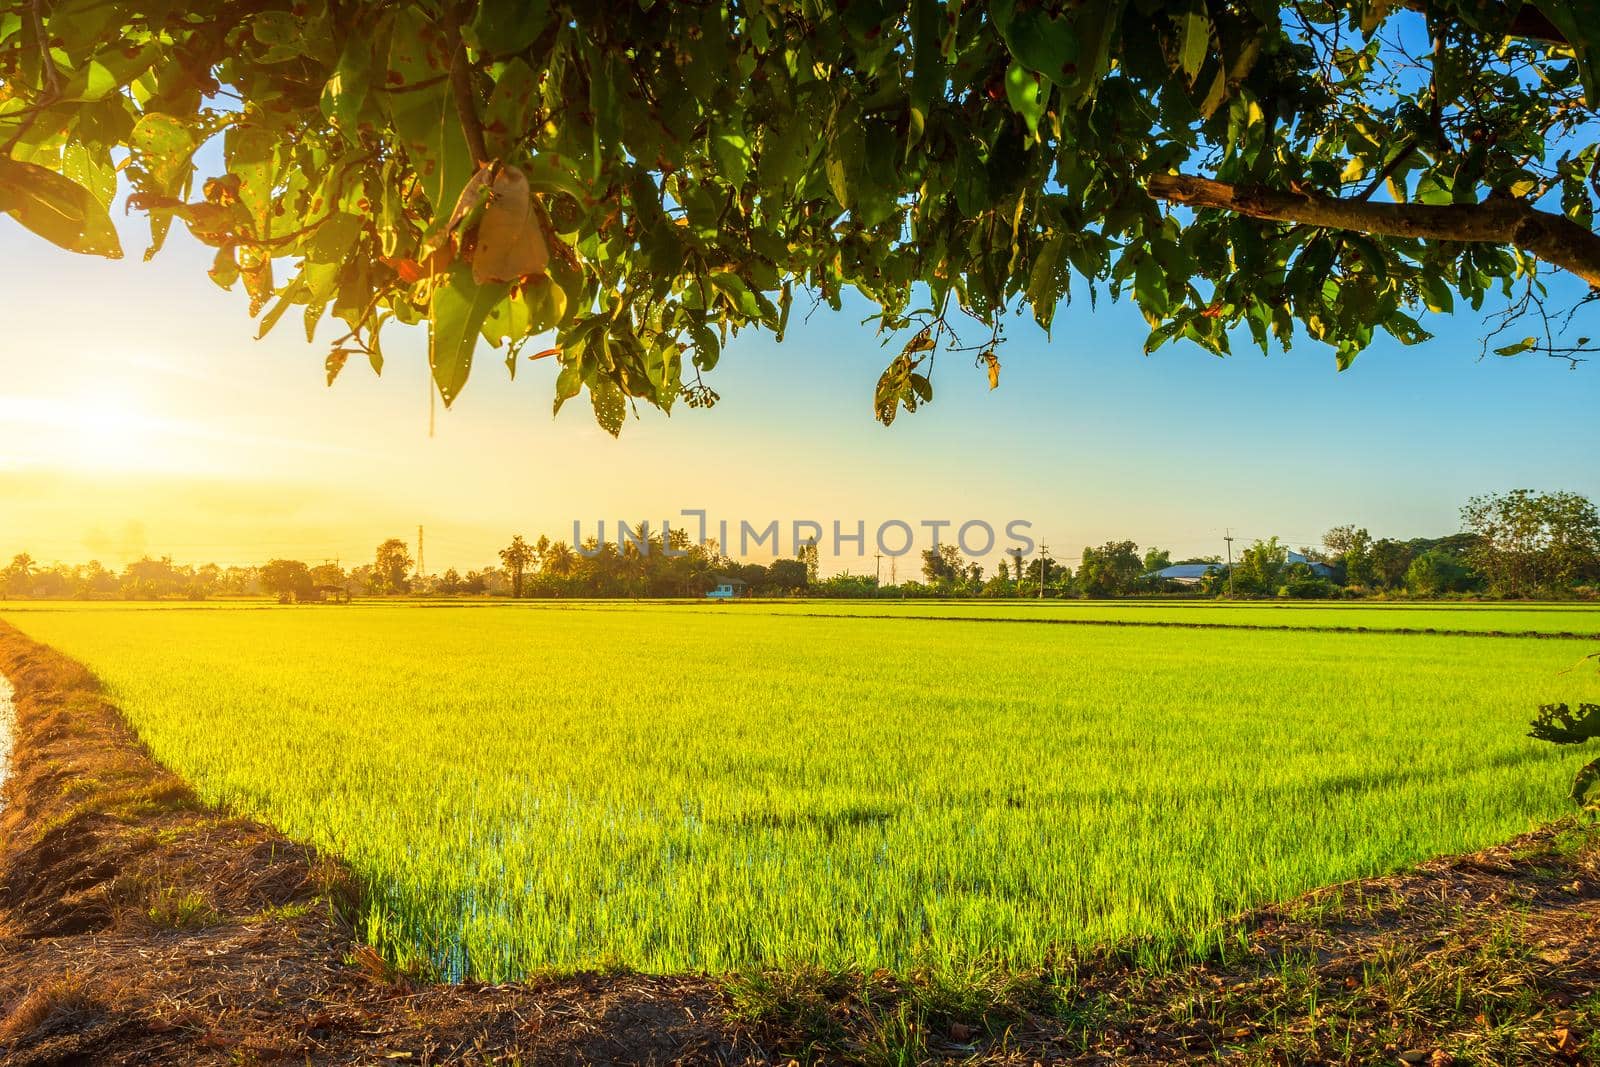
column 674, row 788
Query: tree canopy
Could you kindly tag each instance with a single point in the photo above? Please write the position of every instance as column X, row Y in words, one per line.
column 633, row 183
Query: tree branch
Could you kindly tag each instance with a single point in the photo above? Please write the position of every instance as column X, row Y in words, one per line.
column 1501, row 221
column 461, row 88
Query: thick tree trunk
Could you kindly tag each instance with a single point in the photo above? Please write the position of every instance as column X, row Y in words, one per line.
column 1541, row 234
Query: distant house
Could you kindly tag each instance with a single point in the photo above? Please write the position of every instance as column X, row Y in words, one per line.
column 1321, row 570
column 1193, row 573
column 727, row 588
column 1184, row 573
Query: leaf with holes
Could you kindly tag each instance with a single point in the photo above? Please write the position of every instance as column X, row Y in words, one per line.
column 459, row 307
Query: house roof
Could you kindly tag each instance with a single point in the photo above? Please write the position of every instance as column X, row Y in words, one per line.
column 1322, row 570
column 1179, row 572
column 727, row 579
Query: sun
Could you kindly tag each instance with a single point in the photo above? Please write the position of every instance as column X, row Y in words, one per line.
column 115, row 429
column 97, row 429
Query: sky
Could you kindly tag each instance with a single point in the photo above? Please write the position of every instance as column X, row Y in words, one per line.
column 139, row 414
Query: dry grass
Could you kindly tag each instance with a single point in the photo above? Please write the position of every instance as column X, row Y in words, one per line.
column 48, row 1006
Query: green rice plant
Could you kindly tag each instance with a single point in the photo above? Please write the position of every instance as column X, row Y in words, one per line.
column 522, row 789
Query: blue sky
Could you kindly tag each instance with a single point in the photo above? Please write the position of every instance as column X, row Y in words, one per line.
column 141, row 415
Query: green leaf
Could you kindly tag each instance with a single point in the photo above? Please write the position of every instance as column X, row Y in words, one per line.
column 731, row 151
column 1579, row 23
column 605, row 104
column 1194, row 37
column 738, row 293
column 344, row 95
column 547, row 305
column 92, row 81
column 459, row 307
column 569, row 383
column 1518, row 348
column 57, row 209
column 610, row 405
column 510, row 110
column 283, row 32
column 250, row 152
column 785, row 302
column 1045, row 285
column 1435, row 293
column 1037, row 40
column 847, row 151
column 225, row 268
column 423, row 112
column 1023, row 92
column 787, row 151
column 928, row 67
column 164, row 145
column 706, row 349
column 505, row 27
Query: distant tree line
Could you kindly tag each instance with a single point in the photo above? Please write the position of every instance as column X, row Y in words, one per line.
column 1516, row 544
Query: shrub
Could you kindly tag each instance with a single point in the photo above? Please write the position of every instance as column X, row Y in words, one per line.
column 1311, row 588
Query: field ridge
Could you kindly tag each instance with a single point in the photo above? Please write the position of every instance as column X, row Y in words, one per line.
column 1413, row 631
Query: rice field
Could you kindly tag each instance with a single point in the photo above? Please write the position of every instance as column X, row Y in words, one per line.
column 681, row 788
column 1579, row 620
column 1568, row 619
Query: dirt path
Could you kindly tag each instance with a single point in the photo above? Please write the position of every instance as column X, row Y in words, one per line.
column 139, row 927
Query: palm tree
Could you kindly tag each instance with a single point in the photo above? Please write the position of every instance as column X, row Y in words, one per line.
column 559, row 560
column 516, row 556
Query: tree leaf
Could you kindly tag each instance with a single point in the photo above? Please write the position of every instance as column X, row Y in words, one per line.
column 610, row 405
column 423, row 112
column 459, row 307
column 250, row 152
column 165, row 144
column 344, row 95
column 224, row 268
column 1038, row 40
column 335, row 363
column 1518, row 348
column 1194, row 37
column 57, row 209
column 928, row 67
column 505, row 27
column 510, row 109
column 732, row 152
column 1025, row 95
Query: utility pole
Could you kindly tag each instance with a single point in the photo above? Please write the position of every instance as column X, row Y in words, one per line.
column 1227, row 535
column 1044, row 566
column 878, row 573
column 420, row 571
